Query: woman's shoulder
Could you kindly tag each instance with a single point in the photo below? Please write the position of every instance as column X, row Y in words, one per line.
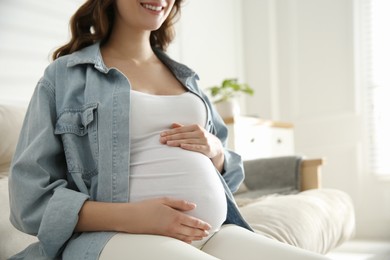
column 52, row 71
column 62, row 67
column 89, row 54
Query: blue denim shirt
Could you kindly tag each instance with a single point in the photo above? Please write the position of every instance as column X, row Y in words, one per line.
column 74, row 146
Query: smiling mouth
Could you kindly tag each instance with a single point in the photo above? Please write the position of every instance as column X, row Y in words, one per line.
column 155, row 8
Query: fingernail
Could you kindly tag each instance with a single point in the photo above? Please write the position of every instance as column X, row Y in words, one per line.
column 192, row 204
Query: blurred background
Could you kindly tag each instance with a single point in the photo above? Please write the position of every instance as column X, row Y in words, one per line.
column 321, row 65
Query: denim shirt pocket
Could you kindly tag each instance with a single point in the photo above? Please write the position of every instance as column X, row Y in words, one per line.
column 78, row 128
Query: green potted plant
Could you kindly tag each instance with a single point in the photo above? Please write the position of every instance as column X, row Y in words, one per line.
column 225, row 96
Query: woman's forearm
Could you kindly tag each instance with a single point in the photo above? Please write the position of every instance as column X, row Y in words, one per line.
column 102, row 216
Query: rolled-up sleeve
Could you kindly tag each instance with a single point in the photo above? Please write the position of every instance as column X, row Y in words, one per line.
column 41, row 201
column 234, row 172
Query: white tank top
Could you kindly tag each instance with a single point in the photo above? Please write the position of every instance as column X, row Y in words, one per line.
column 157, row 170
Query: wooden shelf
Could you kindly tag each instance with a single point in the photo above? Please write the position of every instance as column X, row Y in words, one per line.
column 257, row 121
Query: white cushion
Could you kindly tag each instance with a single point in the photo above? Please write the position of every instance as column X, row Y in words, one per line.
column 317, row 220
column 11, row 119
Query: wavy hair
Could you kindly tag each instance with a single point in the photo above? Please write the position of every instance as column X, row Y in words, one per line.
column 94, row 20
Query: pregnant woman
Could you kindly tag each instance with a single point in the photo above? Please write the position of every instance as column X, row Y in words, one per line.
column 122, row 156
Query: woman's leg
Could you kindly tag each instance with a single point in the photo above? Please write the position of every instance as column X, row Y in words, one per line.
column 131, row 246
column 233, row 242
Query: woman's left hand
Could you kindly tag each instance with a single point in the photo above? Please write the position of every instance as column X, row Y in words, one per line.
column 194, row 138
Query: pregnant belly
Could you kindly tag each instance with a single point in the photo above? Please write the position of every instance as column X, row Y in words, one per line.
column 179, row 174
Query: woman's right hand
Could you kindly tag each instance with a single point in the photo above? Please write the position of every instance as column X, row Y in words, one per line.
column 166, row 217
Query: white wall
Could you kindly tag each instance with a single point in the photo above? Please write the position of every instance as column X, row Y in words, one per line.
column 209, row 40
column 29, row 31
column 312, row 80
column 260, row 57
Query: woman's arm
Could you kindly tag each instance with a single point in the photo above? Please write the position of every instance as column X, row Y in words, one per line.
column 163, row 216
column 40, row 201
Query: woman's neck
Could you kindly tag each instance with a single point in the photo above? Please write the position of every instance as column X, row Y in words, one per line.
column 129, row 45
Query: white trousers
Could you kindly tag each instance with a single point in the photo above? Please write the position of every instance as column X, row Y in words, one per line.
column 231, row 242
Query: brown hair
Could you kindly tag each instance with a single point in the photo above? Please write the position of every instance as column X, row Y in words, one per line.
column 94, row 20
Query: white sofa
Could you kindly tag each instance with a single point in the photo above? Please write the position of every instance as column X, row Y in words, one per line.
column 315, row 219
column 11, row 240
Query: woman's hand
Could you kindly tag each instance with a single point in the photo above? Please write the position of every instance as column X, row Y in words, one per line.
column 195, row 138
column 166, row 217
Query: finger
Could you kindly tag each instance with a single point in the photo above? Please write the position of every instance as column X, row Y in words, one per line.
column 183, row 137
column 193, row 147
column 181, row 129
column 199, row 148
column 190, row 141
column 176, row 125
column 181, row 205
column 192, row 233
column 192, row 133
column 195, row 223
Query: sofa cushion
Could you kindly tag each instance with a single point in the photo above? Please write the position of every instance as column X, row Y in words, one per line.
column 11, row 119
column 317, row 220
